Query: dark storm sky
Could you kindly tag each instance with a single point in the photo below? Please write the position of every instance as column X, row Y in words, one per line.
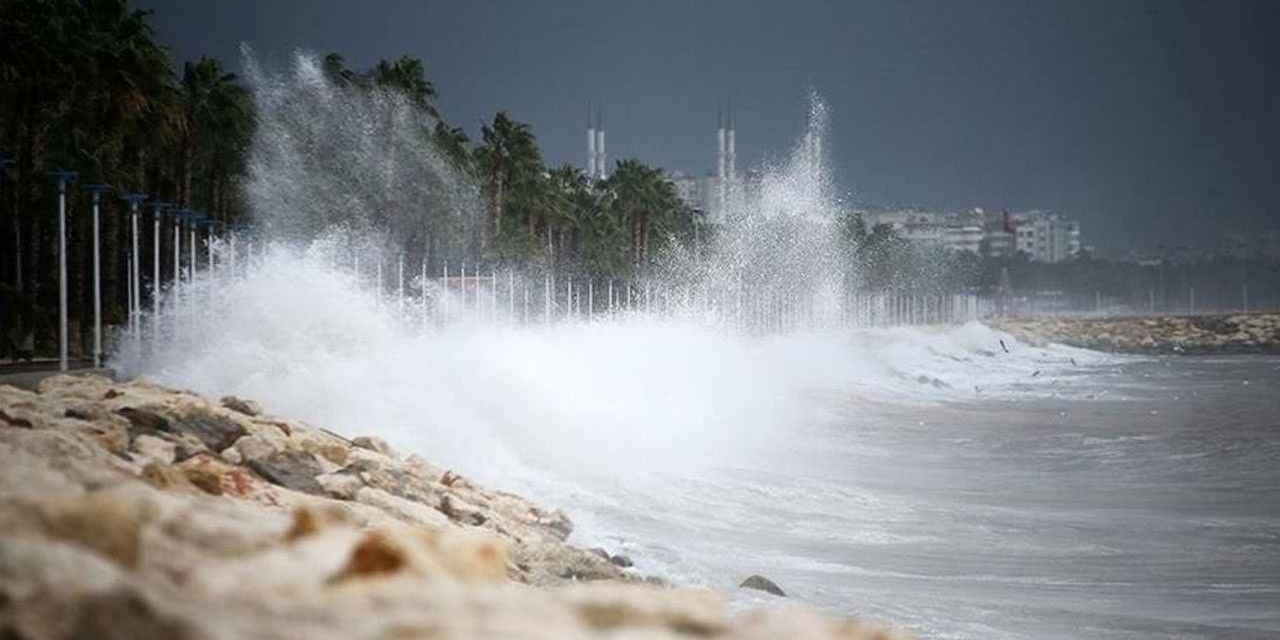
column 1151, row 122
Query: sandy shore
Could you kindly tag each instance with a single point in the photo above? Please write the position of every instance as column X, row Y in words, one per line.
column 131, row 510
column 1234, row 333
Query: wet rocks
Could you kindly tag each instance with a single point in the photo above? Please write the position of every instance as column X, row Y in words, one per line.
column 373, row 444
column 213, row 431
column 133, row 510
column 154, row 449
column 217, row 432
column 1229, row 333
column 143, row 420
column 295, row 470
column 251, row 448
column 761, row 583
column 240, row 405
column 401, row 508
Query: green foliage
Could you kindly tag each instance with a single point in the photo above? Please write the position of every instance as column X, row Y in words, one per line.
column 84, row 86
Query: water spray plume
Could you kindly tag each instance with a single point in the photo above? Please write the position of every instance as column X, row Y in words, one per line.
column 472, row 368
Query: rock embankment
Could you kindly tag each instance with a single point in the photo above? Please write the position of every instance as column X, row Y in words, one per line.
column 130, row 510
column 1238, row 333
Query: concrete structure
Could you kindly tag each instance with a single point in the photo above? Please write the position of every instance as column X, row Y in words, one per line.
column 963, row 238
column 597, row 159
column 716, row 193
column 1046, row 237
column 1043, row 236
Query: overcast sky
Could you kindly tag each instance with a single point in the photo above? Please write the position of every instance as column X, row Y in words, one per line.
column 1150, row 122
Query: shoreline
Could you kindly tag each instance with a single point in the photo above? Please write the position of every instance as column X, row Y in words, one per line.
column 1211, row 334
column 130, row 509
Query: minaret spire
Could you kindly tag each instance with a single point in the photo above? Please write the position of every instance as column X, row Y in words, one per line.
column 602, row 160
column 731, row 158
column 720, row 144
column 591, row 144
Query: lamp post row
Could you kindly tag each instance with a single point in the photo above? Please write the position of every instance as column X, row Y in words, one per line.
column 193, row 219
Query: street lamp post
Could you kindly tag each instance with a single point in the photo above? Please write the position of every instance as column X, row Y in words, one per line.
column 135, row 297
column 97, row 190
column 208, row 243
column 179, row 215
column 157, row 210
column 63, row 177
column 193, row 221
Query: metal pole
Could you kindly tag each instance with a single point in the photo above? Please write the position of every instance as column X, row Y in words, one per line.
column 546, row 299
column 444, row 295
column 400, row 278
column 191, row 255
column 134, row 273
column 591, row 300
column 97, row 190
column 157, row 209
column 478, row 309
column 191, row 259
column 177, row 267
column 128, row 280
column 135, row 296
column 511, row 295
column 493, row 295
column 97, row 288
column 62, row 177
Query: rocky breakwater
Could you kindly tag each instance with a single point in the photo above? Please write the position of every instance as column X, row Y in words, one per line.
column 131, row 510
column 1236, row 333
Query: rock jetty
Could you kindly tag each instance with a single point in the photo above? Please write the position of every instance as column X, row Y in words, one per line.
column 1236, row 333
column 132, row 510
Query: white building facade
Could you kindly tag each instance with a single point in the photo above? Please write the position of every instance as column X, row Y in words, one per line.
column 1046, row 237
column 1043, row 236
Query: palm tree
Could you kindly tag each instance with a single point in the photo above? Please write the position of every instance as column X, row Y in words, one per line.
column 81, row 84
column 453, row 141
column 645, row 199
column 509, row 166
column 217, row 121
column 407, row 74
column 335, row 69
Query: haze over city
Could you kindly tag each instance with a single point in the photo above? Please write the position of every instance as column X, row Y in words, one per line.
column 1145, row 122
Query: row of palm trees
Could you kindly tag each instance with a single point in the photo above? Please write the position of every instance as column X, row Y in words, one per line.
column 85, row 87
column 533, row 213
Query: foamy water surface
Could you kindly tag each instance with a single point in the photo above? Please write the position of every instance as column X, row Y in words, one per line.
column 928, row 476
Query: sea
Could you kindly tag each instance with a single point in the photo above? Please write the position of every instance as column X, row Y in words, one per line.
column 951, row 480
